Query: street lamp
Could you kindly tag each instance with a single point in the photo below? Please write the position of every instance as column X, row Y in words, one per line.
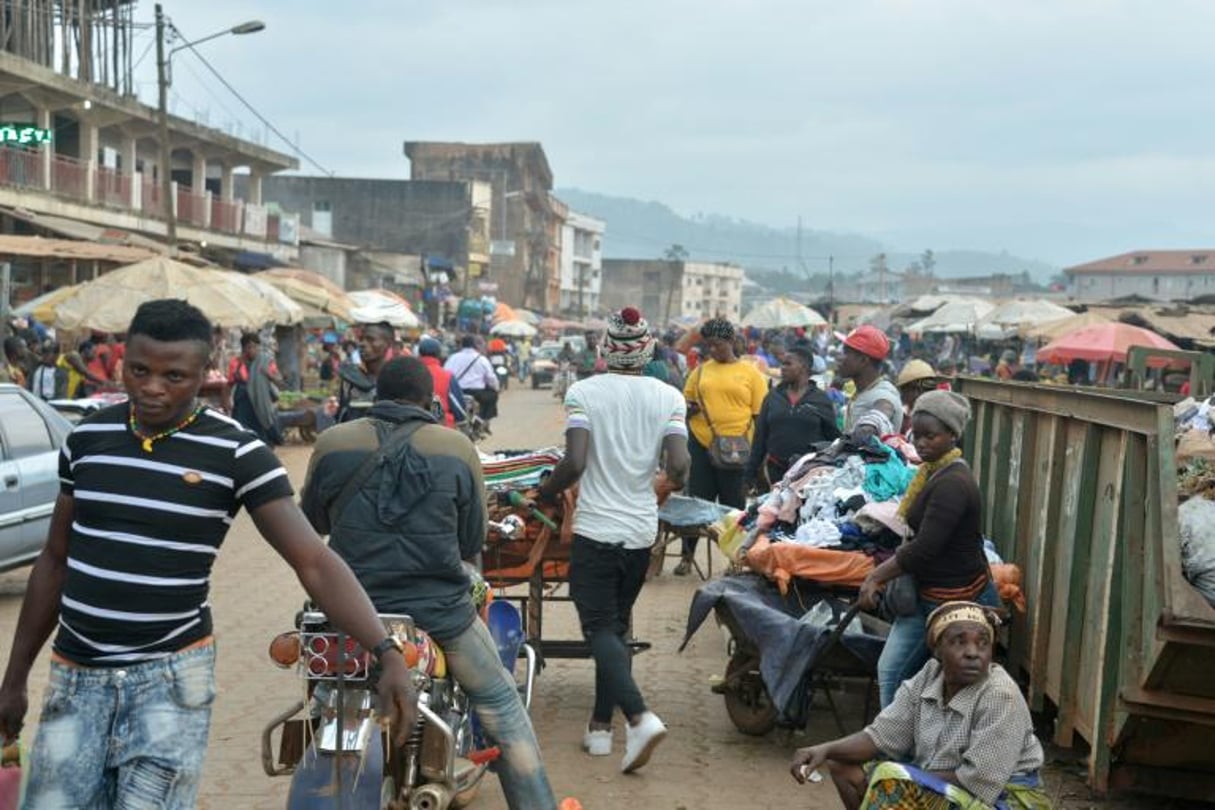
column 162, row 84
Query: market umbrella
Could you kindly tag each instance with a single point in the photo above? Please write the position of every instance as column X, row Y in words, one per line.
column 954, row 317
column 782, row 313
column 1059, row 328
column 503, row 312
column 1018, row 317
column 1103, row 343
column 228, row 299
column 594, row 324
column 513, row 329
column 310, row 289
column 43, row 307
column 373, row 306
column 527, row 316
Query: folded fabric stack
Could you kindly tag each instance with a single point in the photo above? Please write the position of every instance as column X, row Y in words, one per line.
column 518, row 469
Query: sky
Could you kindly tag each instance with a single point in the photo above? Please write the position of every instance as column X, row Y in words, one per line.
column 1060, row 130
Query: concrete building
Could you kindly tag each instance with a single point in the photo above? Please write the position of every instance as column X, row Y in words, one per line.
column 673, row 290
column 1159, row 275
column 581, row 264
column 82, row 155
column 443, row 219
column 526, row 224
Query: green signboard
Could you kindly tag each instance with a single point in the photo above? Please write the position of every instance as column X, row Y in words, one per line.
column 24, row 134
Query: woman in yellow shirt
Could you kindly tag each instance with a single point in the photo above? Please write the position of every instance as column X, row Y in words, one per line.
column 729, row 394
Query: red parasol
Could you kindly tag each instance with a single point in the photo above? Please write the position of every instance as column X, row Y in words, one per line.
column 1103, row 343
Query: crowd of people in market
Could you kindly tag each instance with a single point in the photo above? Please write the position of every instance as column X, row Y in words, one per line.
column 817, row 443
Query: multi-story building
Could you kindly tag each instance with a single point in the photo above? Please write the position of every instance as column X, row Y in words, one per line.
column 81, row 157
column 1159, row 275
column 581, row 264
column 526, row 224
column 673, row 290
column 447, row 221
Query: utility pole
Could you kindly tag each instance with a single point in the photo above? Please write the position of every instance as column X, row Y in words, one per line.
column 166, row 154
column 831, row 291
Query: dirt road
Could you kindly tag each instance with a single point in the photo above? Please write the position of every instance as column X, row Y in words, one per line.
column 705, row 762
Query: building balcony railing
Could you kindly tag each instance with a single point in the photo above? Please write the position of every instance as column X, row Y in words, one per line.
column 112, row 187
column 65, row 176
column 69, row 177
column 20, row 167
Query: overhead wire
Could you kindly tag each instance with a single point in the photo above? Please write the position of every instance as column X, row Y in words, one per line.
column 265, row 121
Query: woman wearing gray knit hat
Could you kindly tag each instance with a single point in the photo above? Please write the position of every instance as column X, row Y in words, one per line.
column 944, row 553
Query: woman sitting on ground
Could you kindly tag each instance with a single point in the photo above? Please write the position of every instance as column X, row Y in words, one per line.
column 958, row 734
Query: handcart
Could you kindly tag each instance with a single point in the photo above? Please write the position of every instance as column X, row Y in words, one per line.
column 536, row 553
column 777, row 661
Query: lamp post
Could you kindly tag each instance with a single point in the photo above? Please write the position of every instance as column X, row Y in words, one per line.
column 162, row 86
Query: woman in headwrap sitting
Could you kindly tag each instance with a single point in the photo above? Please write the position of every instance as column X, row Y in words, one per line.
column 943, row 508
column 724, row 396
column 958, row 734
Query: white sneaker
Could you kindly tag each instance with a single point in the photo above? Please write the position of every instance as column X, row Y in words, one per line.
column 641, row 740
column 597, row 742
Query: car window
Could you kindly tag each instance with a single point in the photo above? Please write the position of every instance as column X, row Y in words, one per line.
column 25, row 431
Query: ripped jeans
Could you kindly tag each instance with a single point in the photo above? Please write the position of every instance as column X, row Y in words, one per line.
column 472, row 659
column 132, row 737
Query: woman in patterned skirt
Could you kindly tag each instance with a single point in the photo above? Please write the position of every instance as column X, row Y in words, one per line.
column 958, row 733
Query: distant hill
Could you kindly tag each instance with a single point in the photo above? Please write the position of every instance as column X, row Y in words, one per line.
column 639, row 229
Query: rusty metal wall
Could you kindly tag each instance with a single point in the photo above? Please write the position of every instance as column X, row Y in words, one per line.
column 1080, row 490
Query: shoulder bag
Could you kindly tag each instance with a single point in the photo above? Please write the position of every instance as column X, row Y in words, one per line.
column 725, row 452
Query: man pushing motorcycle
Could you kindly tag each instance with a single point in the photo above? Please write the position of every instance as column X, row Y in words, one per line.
column 405, row 527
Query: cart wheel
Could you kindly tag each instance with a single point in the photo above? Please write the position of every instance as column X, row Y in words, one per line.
column 747, row 700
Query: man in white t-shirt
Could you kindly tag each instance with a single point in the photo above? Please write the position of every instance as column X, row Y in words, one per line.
column 621, row 427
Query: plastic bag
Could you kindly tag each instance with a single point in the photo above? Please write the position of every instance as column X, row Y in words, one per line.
column 1196, row 519
column 13, row 773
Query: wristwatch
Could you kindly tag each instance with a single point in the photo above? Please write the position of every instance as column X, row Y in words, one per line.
column 390, row 643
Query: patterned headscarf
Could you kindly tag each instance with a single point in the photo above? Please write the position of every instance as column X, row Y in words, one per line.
column 955, row 612
column 717, row 328
column 628, row 345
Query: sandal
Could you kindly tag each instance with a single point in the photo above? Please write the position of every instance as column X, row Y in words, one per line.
column 684, row 567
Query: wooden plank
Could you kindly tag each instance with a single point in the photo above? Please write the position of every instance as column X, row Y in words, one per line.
column 1105, row 617
column 1021, row 477
column 1070, row 625
column 1040, row 556
column 1133, row 574
column 1117, row 409
column 1003, row 504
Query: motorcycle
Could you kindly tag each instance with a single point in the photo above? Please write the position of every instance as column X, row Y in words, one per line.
column 501, row 364
column 331, row 742
column 473, row 426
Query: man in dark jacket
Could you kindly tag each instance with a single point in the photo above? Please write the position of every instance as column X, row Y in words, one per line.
column 405, row 533
column 796, row 415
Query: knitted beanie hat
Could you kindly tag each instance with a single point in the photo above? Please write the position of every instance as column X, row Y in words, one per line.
column 952, row 409
column 628, row 344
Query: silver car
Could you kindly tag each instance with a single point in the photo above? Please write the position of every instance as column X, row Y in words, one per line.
column 31, row 433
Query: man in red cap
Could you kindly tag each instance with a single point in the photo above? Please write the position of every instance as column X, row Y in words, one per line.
column 865, row 351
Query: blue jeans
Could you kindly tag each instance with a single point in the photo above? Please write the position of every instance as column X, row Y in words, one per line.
column 131, row 738
column 472, row 659
column 906, row 651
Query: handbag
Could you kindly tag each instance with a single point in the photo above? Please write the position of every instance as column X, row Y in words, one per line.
column 725, row 452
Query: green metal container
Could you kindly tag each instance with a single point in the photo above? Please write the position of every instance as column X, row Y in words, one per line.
column 1080, row 490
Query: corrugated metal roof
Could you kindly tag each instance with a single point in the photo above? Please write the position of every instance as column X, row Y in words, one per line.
column 1152, row 262
column 1182, row 323
column 87, row 231
column 69, row 249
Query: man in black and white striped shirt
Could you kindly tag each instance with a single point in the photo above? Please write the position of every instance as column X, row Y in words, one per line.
column 149, row 489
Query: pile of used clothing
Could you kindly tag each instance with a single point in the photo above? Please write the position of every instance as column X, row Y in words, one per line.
column 833, row 517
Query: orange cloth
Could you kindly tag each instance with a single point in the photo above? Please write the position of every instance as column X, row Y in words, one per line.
column 1007, row 577
column 781, row 562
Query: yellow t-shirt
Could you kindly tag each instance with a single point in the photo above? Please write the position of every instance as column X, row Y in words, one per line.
column 732, row 393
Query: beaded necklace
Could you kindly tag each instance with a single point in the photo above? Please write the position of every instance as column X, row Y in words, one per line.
column 146, row 441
